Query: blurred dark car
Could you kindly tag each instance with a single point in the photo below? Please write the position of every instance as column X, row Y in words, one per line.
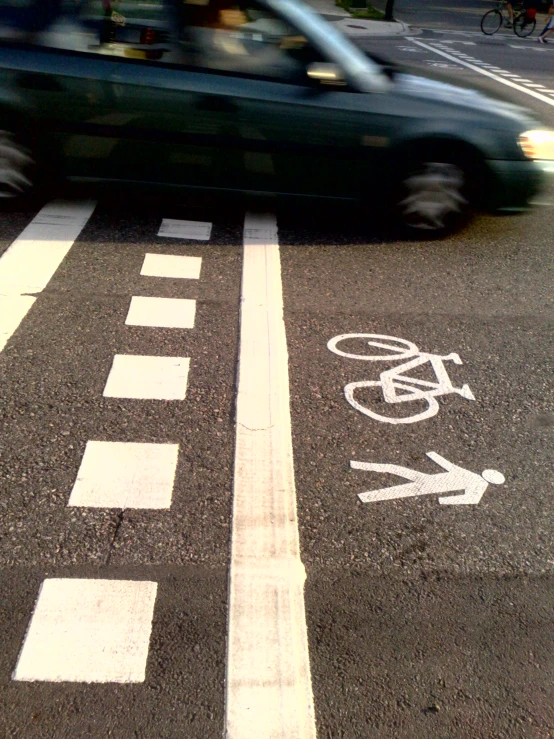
column 253, row 96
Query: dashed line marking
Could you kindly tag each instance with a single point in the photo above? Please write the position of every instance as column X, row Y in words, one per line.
column 147, row 378
column 193, row 230
column 116, row 474
column 89, row 631
column 170, row 265
column 487, row 73
column 161, row 312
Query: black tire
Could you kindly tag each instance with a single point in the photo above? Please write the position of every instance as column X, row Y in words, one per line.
column 523, row 27
column 433, row 197
column 491, row 22
column 18, row 168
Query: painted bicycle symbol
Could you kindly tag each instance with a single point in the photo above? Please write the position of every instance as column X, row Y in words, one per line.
column 397, row 386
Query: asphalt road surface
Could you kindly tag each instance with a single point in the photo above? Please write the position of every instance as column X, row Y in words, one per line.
column 424, row 618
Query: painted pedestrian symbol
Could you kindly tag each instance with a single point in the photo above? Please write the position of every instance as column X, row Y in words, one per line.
column 453, row 480
column 397, row 386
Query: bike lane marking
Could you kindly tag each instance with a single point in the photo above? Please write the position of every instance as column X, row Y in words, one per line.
column 268, row 686
column 454, row 479
column 396, row 378
column 485, row 72
column 29, row 264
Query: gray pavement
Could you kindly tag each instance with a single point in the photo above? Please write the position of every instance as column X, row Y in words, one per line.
column 424, row 620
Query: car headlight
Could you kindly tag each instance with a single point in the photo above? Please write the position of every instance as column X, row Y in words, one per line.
column 537, row 144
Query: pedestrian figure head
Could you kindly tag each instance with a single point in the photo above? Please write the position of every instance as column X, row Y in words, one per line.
column 494, row 477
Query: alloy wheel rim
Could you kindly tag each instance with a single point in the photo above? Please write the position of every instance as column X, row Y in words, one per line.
column 435, row 193
column 14, row 161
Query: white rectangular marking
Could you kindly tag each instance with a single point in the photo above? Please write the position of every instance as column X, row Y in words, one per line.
column 161, row 312
column 194, row 230
column 268, row 686
column 147, row 378
column 170, row 265
column 487, row 73
column 125, row 475
column 91, row 631
column 27, row 266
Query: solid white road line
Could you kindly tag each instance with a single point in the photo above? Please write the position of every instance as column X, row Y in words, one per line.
column 194, row 230
column 125, row 475
column 29, row 263
column 92, row 631
column 485, row 72
column 268, row 686
column 170, row 265
column 161, row 312
column 147, row 378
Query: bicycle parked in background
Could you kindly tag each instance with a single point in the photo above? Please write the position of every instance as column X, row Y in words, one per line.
column 523, row 24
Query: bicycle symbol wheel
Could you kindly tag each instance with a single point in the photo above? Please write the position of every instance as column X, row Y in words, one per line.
column 400, row 348
column 411, row 393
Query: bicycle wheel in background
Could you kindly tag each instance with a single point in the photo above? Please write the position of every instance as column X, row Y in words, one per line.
column 524, row 27
column 491, row 22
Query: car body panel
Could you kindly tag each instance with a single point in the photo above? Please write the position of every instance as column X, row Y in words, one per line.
column 125, row 110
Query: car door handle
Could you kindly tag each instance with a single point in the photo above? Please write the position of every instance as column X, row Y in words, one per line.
column 216, row 104
column 38, row 81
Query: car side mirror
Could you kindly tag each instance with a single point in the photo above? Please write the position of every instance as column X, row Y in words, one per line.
column 327, row 74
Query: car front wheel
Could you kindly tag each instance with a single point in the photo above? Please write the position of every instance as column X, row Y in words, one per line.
column 432, row 198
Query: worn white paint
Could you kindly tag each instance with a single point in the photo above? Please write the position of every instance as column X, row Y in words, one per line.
column 92, row 631
column 268, row 686
column 487, row 73
column 193, row 230
column 28, row 265
column 398, row 386
column 171, row 265
column 454, row 479
column 125, row 475
column 161, row 312
column 152, row 378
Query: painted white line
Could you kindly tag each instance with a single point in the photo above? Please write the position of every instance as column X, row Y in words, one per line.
column 125, row 475
column 147, row 378
column 509, row 83
column 30, row 262
column 161, row 312
column 91, row 631
column 537, row 87
column 268, row 686
column 171, row 265
column 194, row 230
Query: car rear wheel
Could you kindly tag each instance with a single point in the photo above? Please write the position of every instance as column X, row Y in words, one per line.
column 432, row 198
column 16, row 167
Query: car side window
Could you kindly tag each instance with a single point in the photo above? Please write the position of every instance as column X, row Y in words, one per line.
column 231, row 36
column 242, row 37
